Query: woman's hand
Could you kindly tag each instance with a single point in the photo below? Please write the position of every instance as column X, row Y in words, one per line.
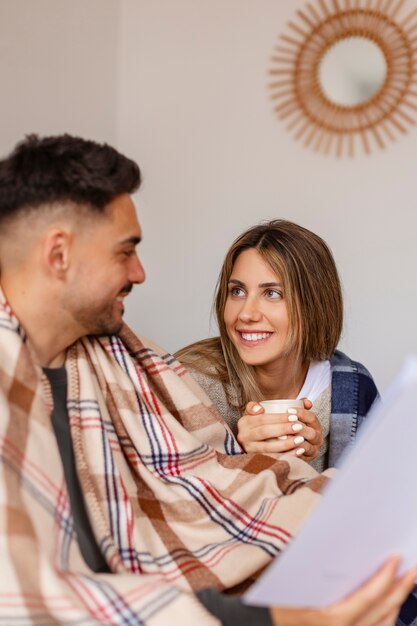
column 299, row 430
column 376, row 603
column 306, row 417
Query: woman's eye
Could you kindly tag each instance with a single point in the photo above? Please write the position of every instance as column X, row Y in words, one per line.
column 237, row 292
column 273, row 294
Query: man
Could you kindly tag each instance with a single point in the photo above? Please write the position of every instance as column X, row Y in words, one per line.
column 121, row 490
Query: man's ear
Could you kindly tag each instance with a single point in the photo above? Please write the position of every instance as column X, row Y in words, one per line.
column 56, row 251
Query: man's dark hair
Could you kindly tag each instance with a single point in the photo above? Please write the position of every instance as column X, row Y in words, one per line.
column 45, row 170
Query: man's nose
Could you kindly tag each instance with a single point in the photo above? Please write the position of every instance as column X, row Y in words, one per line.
column 136, row 272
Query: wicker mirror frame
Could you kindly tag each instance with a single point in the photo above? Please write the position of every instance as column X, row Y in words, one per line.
column 299, row 98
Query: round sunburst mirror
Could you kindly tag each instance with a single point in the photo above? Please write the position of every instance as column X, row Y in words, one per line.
column 345, row 74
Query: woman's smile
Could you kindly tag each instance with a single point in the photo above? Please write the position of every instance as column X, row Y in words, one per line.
column 252, row 338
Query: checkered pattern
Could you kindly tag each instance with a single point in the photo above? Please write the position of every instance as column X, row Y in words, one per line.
column 353, row 395
column 170, row 507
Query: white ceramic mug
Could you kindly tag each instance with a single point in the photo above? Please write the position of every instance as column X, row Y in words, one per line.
column 281, row 406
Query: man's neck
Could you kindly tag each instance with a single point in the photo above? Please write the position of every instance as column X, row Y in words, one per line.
column 49, row 331
column 56, row 362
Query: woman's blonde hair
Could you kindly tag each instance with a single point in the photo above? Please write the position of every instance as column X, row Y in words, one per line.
column 312, row 291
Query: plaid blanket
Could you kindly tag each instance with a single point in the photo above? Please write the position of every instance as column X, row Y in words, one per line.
column 173, row 503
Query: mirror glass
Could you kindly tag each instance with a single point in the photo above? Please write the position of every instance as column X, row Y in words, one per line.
column 352, row 70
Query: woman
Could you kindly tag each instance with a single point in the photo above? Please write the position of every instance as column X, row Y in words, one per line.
column 280, row 314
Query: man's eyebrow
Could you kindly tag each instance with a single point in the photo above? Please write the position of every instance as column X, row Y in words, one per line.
column 134, row 239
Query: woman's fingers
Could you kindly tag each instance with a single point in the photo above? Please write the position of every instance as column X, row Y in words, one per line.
column 310, row 419
column 280, row 432
column 254, row 408
column 273, row 428
column 271, row 445
column 307, row 403
column 311, row 435
column 307, row 417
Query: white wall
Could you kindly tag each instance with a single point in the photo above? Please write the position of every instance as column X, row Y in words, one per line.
column 181, row 86
column 195, row 111
column 58, row 68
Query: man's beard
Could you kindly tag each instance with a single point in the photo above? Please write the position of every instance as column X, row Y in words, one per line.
column 99, row 322
column 100, row 319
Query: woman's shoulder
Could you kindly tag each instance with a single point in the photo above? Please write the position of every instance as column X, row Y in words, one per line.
column 205, row 357
column 341, row 361
column 205, row 362
column 343, row 367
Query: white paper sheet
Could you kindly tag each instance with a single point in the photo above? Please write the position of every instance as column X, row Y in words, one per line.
column 368, row 512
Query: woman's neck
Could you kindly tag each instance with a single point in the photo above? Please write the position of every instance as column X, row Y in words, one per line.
column 282, row 379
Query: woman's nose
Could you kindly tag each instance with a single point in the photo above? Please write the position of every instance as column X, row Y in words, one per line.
column 250, row 312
